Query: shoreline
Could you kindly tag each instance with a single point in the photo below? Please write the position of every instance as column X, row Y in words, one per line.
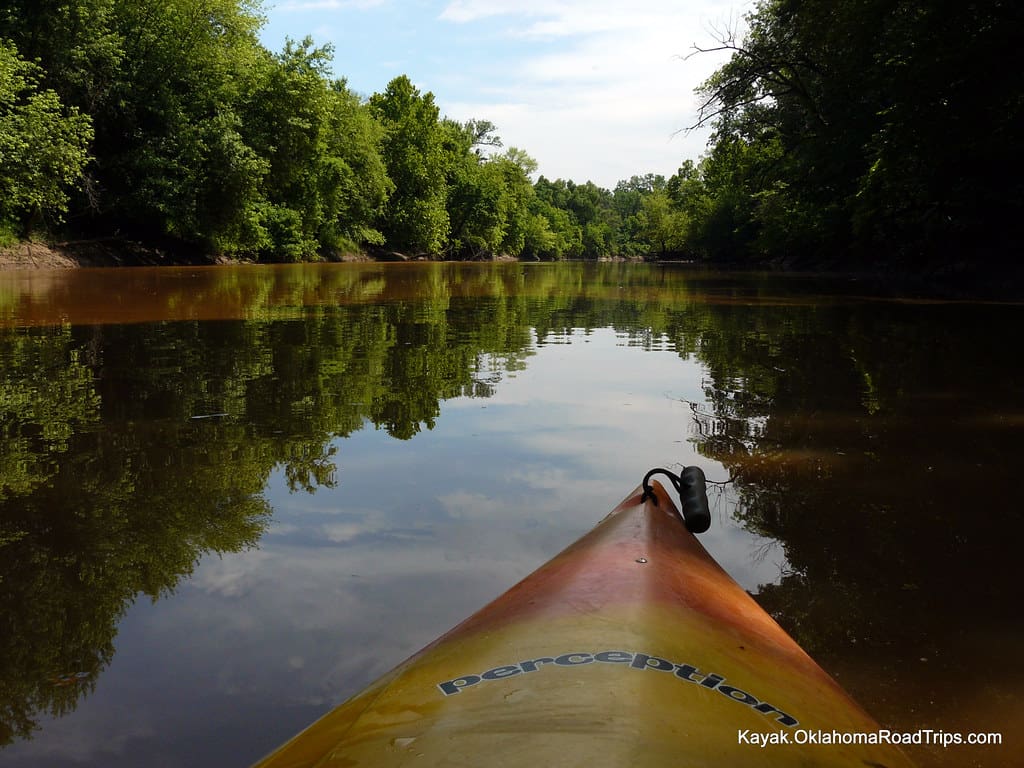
column 118, row 252
column 959, row 281
column 112, row 252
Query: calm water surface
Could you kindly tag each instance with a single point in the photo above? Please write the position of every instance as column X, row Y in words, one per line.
column 231, row 497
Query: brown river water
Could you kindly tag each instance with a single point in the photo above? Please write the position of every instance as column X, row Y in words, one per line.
column 230, row 497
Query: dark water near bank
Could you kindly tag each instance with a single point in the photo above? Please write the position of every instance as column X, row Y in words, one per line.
column 231, row 497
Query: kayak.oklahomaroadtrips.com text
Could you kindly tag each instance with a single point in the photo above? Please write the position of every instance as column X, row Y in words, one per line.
column 926, row 736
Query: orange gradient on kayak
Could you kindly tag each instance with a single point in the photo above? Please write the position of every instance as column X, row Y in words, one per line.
column 632, row 647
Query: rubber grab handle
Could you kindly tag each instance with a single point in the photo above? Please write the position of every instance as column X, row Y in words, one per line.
column 691, row 486
column 693, row 493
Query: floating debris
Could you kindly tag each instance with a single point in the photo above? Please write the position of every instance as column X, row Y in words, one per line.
column 72, row 678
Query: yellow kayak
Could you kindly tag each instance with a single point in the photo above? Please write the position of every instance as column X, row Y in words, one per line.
column 630, row 648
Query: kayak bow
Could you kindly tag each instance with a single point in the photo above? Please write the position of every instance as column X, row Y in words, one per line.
column 632, row 647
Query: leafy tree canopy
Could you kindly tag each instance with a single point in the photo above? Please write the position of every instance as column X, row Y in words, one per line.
column 43, row 144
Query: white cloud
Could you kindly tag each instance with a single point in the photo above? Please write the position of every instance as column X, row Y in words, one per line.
column 281, row 529
column 341, row 533
column 568, row 17
column 329, row 5
column 612, row 94
column 224, row 576
column 464, row 505
column 92, row 736
column 463, row 11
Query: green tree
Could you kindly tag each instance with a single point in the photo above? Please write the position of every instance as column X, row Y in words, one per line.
column 43, row 145
column 594, row 210
column 591, row 208
column 553, row 232
column 661, row 227
column 75, row 43
column 476, row 190
column 874, row 129
column 325, row 182
column 415, row 218
column 514, row 168
column 169, row 128
column 361, row 186
column 650, row 219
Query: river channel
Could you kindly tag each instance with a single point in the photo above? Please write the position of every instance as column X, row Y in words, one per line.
column 230, row 497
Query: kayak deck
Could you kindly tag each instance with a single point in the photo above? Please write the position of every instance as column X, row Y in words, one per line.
column 632, row 647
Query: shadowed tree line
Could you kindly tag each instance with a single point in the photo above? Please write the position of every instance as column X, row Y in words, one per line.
column 878, row 132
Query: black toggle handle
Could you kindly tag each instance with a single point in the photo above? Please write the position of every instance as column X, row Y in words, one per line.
column 691, row 486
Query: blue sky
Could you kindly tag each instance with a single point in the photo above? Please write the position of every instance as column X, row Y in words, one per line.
column 593, row 89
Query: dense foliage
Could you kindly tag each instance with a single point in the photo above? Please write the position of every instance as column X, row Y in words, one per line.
column 42, row 144
column 170, row 120
column 863, row 129
column 874, row 129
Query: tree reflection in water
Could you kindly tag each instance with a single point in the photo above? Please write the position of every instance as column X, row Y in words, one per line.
column 880, row 445
column 877, row 441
